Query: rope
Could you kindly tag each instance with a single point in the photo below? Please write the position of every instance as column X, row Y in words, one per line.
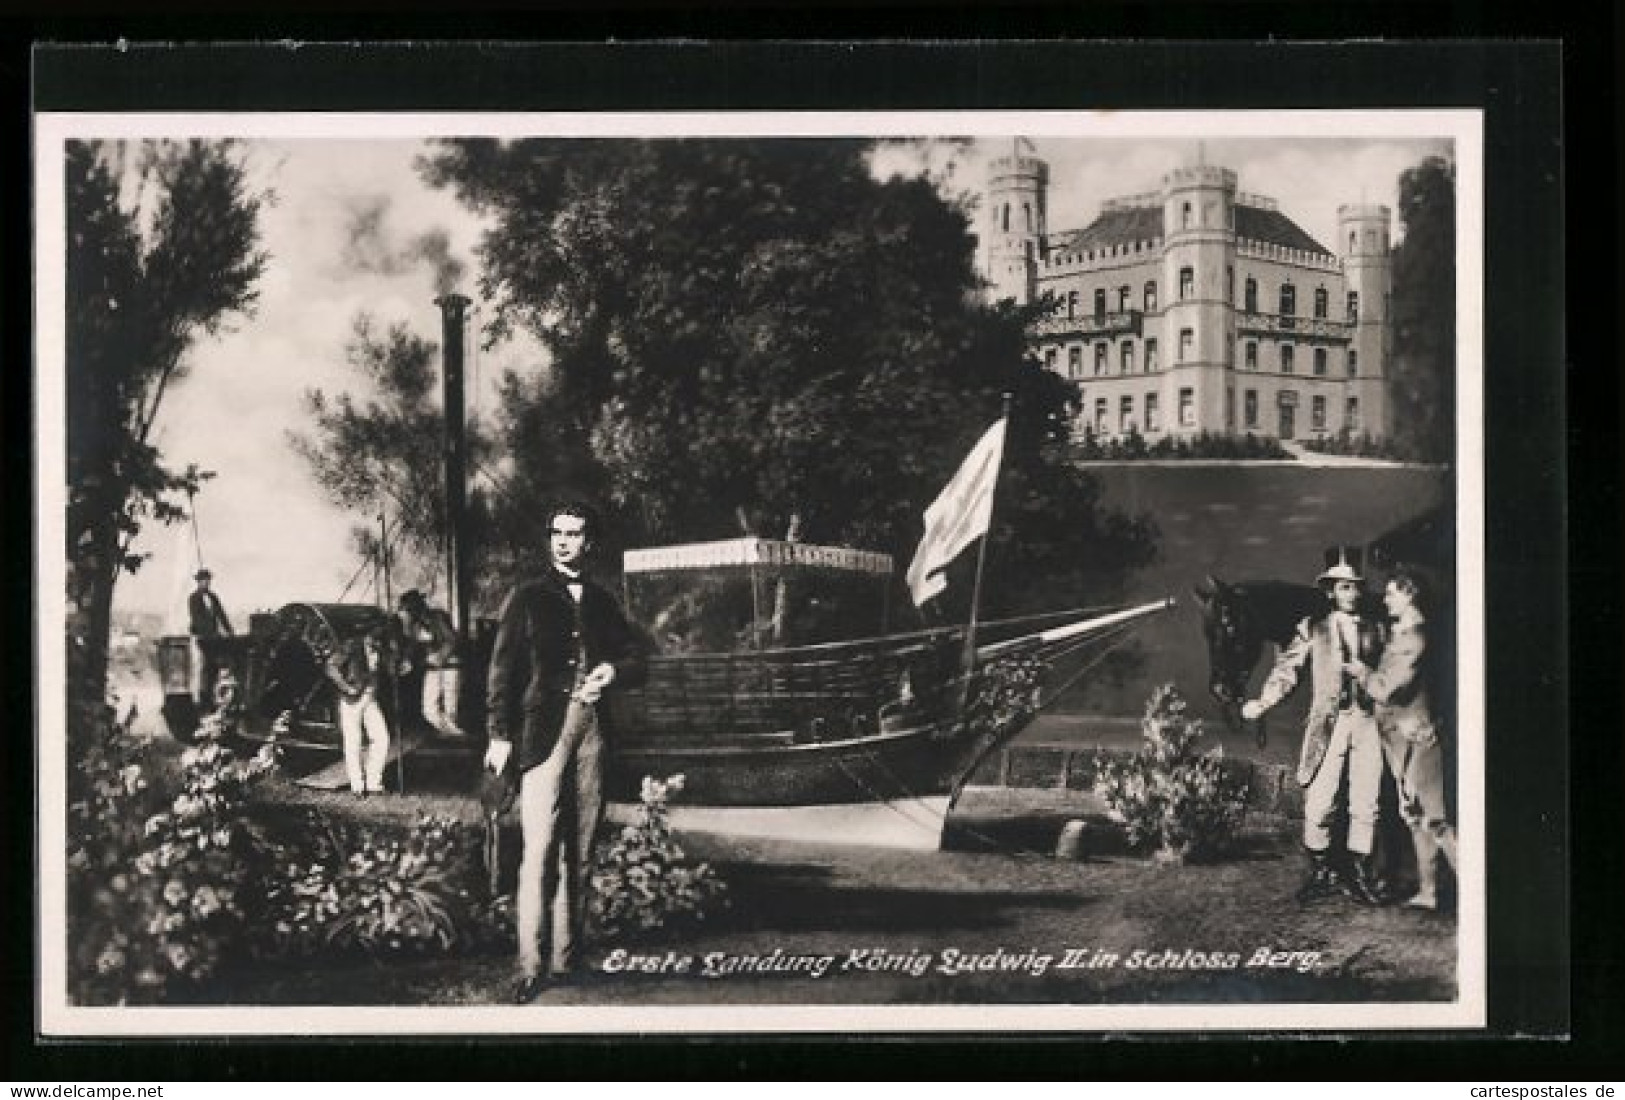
column 1121, row 634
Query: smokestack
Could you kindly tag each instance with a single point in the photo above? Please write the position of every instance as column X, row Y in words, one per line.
column 453, row 309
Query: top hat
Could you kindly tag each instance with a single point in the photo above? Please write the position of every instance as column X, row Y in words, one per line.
column 1342, row 564
column 412, row 598
column 202, row 575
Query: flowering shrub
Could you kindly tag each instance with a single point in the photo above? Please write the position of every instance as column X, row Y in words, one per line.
column 360, row 889
column 154, row 884
column 1004, row 696
column 642, row 880
column 1167, row 793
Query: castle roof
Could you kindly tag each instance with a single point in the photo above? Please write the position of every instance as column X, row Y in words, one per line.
column 1126, row 225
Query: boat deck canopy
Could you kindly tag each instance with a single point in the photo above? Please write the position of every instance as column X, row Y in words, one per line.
column 753, row 551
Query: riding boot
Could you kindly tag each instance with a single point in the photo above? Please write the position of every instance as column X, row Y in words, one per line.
column 1362, row 882
column 1319, row 878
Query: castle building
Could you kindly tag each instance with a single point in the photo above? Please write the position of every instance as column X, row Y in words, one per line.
column 1198, row 307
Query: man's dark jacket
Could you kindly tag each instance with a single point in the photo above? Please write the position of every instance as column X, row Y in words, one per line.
column 544, row 644
column 207, row 614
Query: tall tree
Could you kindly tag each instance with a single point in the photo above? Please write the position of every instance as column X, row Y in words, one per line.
column 381, row 453
column 761, row 328
column 147, row 277
column 1422, row 381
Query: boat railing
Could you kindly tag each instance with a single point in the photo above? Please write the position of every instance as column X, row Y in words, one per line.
column 829, row 689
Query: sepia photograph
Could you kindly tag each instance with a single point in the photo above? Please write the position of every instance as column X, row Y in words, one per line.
column 760, row 572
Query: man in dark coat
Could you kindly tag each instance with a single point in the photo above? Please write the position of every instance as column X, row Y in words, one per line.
column 204, row 611
column 562, row 640
column 206, row 618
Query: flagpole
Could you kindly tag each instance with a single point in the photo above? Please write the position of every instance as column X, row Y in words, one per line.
column 969, row 661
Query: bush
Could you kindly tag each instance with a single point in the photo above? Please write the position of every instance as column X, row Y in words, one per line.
column 1167, row 794
column 1204, row 445
column 642, row 881
column 1345, row 442
column 361, row 890
column 154, row 882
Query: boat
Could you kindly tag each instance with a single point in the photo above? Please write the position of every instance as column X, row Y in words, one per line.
column 776, row 687
column 863, row 740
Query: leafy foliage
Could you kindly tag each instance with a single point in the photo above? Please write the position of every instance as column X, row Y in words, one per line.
column 146, row 278
column 384, row 454
column 816, row 332
column 1167, row 794
column 155, row 884
column 1359, row 445
column 641, row 879
column 1202, row 445
column 1422, row 376
column 358, row 889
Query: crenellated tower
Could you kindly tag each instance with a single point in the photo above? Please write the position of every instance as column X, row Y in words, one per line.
column 1015, row 222
column 1363, row 232
column 1198, row 272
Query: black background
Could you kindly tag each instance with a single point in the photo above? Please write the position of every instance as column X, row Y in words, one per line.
column 1552, row 337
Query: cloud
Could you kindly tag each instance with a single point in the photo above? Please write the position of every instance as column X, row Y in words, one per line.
column 372, row 247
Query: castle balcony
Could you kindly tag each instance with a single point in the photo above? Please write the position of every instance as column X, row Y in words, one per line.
column 1309, row 328
column 1091, row 325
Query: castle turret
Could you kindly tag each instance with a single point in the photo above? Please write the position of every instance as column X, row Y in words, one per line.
column 1363, row 238
column 1015, row 222
column 1198, row 270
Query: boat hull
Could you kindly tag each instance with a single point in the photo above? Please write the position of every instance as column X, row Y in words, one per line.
column 922, row 761
column 909, row 824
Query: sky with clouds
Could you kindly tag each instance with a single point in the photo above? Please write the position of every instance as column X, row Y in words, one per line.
column 353, row 229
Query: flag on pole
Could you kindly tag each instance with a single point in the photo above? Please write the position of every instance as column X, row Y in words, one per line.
column 958, row 517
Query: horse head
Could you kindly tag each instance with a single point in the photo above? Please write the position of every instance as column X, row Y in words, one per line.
column 1234, row 642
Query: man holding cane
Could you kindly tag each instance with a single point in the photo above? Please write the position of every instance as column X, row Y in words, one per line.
column 562, row 640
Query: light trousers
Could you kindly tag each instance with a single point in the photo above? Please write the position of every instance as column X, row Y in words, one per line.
column 1356, row 747
column 1418, row 768
column 561, row 802
column 440, row 687
column 366, row 742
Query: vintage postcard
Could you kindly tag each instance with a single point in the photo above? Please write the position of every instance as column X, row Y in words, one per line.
column 760, row 572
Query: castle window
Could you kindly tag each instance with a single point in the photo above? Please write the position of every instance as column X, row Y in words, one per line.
column 1127, row 357
column 1289, row 300
column 1249, row 409
column 1100, row 415
column 1100, row 305
column 1187, row 339
column 1229, row 408
column 1251, row 291
column 1354, row 239
column 1004, row 218
column 1123, row 296
column 1317, row 413
column 1251, row 353
column 1071, row 305
column 1351, row 416
column 1050, row 359
column 1100, row 358
column 1354, row 306
column 1151, row 296
column 1027, row 216
column 1151, row 424
column 1187, row 407
column 1125, row 415
column 1354, row 363
column 1287, row 356
column 1187, row 283
column 1320, row 301
column 1229, row 284
column 1150, row 354
column 1320, row 362
column 1074, row 361
column 1185, row 216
